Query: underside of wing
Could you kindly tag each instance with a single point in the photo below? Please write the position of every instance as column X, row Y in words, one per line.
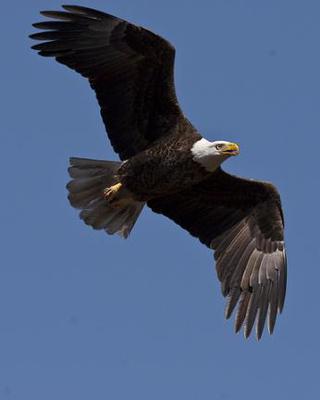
column 129, row 67
column 241, row 220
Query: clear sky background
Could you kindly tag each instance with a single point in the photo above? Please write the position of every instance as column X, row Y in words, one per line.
column 88, row 316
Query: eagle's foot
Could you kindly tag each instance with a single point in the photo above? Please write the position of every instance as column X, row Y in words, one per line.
column 110, row 193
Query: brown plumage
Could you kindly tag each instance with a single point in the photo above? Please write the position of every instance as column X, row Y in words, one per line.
column 166, row 163
column 241, row 220
column 129, row 68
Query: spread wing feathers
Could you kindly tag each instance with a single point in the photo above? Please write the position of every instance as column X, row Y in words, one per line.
column 242, row 221
column 129, row 67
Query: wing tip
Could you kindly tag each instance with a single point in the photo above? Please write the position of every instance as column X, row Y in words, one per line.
column 249, row 322
column 73, row 8
column 259, row 332
column 246, row 333
column 87, row 12
column 271, row 328
column 47, row 13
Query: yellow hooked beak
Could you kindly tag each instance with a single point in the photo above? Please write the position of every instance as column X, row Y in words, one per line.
column 230, row 149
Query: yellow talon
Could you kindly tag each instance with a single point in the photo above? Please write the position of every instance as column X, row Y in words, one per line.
column 111, row 192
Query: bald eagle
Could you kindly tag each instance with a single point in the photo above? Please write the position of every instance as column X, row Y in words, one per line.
column 165, row 162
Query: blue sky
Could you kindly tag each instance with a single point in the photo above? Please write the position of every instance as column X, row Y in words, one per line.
column 88, row 316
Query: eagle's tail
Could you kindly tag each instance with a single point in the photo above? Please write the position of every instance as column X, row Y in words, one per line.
column 90, row 178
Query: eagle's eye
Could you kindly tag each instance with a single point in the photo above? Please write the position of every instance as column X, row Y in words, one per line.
column 219, row 146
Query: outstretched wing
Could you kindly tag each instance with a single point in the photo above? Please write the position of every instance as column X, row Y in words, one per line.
column 242, row 221
column 129, row 67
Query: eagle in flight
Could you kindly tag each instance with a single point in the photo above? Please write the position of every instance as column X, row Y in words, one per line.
column 165, row 162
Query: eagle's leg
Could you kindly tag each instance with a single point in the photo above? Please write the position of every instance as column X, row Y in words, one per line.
column 110, row 193
column 117, row 195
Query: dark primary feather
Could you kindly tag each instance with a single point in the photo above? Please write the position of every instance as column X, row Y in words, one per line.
column 129, row 67
column 241, row 220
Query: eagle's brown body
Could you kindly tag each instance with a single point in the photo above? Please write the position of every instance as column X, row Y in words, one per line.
column 165, row 168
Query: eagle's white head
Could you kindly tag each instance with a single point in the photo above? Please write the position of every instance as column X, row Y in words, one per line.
column 211, row 154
